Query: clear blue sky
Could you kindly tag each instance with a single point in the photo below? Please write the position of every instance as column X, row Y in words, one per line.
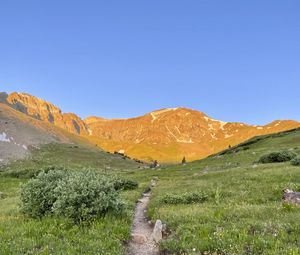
column 235, row 60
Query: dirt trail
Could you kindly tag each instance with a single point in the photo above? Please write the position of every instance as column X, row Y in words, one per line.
column 142, row 242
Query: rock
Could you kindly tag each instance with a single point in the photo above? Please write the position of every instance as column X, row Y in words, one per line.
column 164, row 227
column 291, row 196
column 157, row 231
column 1, row 195
column 153, row 183
column 139, row 238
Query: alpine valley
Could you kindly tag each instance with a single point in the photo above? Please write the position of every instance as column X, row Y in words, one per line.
column 166, row 135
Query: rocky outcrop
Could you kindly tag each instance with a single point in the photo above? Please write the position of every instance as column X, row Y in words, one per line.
column 45, row 111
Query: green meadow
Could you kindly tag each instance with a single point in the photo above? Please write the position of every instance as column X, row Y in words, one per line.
column 224, row 204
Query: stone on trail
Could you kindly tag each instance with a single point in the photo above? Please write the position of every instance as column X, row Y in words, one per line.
column 157, row 231
column 139, row 238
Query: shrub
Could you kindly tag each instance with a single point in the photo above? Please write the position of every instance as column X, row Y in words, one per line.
column 186, row 198
column 85, row 195
column 37, row 196
column 295, row 161
column 123, row 184
column 280, row 156
column 80, row 195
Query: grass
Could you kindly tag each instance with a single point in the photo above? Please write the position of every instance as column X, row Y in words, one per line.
column 242, row 212
column 52, row 235
column 68, row 156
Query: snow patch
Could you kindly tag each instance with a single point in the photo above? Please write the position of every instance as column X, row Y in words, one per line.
column 222, row 124
column 121, row 151
column 156, row 113
column 227, row 136
column 259, row 128
column 210, row 127
column 90, row 132
column 277, row 124
column 178, row 129
column 4, row 138
column 179, row 140
column 24, row 147
column 213, row 136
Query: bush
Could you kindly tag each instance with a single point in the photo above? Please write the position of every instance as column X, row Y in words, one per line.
column 80, row 196
column 85, row 195
column 295, row 161
column 186, row 198
column 123, row 184
column 37, row 196
column 280, row 156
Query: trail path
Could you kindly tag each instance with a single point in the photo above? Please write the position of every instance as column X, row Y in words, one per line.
column 142, row 242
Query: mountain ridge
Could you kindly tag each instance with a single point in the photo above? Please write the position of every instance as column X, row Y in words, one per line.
column 166, row 134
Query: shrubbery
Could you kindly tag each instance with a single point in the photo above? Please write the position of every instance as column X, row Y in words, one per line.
column 295, row 161
column 280, row 156
column 79, row 195
column 186, row 198
column 123, row 184
column 85, row 195
column 38, row 195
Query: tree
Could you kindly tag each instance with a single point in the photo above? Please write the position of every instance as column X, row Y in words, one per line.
column 183, row 160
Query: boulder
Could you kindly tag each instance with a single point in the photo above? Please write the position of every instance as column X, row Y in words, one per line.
column 157, row 231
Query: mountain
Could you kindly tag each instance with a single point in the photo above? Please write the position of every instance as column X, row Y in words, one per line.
column 166, row 135
column 20, row 133
column 45, row 111
column 170, row 134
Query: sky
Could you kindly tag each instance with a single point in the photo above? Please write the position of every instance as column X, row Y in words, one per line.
column 234, row 60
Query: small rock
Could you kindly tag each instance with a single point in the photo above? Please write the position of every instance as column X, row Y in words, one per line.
column 164, row 227
column 153, row 183
column 139, row 238
column 291, row 196
column 157, row 231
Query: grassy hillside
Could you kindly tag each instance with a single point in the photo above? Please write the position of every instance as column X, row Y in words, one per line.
column 242, row 211
column 21, row 235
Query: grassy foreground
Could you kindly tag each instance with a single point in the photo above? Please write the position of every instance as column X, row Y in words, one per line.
column 242, row 212
column 51, row 235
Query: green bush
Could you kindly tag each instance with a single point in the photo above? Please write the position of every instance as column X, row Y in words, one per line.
column 38, row 196
column 295, row 161
column 186, row 198
column 280, row 156
column 85, row 195
column 80, row 195
column 123, row 184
